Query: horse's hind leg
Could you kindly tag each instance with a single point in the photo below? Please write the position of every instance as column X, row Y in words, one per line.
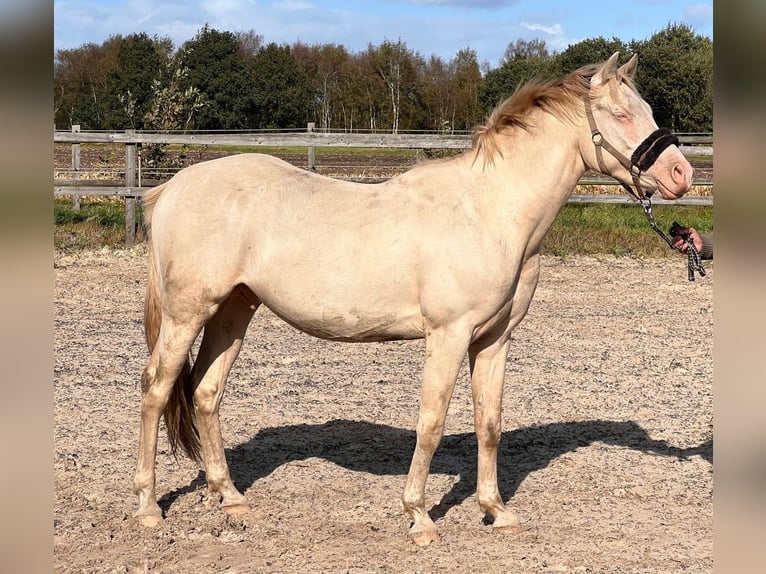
column 165, row 363
column 221, row 343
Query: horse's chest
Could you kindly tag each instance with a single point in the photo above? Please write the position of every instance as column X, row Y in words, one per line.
column 508, row 302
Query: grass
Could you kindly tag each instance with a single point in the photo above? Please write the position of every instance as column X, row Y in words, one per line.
column 580, row 229
column 99, row 222
column 620, row 229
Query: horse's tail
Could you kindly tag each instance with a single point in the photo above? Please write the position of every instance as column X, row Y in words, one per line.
column 179, row 414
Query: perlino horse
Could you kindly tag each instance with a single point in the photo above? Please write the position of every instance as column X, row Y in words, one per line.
column 448, row 251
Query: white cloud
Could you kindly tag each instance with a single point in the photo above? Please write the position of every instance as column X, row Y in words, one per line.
column 555, row 30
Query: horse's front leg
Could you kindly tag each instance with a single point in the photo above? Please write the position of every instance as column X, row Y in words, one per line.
column 487, row 377
column 445, row 350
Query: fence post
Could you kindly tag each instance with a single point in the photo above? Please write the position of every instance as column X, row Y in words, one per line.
column 76, row 168
column 312, row 150
column 130, row 182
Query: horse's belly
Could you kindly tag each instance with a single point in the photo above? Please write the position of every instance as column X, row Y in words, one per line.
column 344, row 312
column 352, row 324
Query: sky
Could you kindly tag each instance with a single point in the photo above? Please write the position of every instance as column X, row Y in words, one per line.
column 440, row 27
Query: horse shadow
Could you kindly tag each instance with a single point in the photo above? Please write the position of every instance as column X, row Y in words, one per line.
column 385, row 450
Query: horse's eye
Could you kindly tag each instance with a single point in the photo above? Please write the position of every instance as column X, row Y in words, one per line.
column 620, row 115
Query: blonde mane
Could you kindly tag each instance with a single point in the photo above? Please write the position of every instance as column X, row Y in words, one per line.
column 558, row 97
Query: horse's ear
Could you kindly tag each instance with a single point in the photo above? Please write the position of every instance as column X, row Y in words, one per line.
column 607, row 71
column 629, row 68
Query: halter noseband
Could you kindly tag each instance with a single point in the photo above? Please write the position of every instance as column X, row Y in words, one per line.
column 642, row 158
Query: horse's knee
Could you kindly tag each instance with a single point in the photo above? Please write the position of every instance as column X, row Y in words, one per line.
column 429, row 434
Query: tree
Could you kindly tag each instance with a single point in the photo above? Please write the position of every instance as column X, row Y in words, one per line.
column 525, row 49
column 217, row 69
column 358, row 107
column 503, row 81
column 450, row 92
column 281, row 97
column 249, row 42
column 397, row 66
column 438, row 101
column 590, row 51
column 80, row 77
column 325, row 67
column 370, row 89
column 130, row 83
column 675, row 76
column 466, row 81
column 173, row 105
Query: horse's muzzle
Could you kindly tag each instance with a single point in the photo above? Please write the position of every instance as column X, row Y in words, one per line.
column 673, row 175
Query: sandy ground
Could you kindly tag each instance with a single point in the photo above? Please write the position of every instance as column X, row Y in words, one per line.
column 606, row 451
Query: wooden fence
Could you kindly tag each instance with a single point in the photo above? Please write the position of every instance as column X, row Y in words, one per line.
column 132, row 188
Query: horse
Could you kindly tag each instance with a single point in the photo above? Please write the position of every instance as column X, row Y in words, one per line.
column 448, row 251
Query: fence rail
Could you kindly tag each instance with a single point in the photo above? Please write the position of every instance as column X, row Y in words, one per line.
column 131, row 186
column 694, row 143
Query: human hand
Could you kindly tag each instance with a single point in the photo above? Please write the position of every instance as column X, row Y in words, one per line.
column 681, row 245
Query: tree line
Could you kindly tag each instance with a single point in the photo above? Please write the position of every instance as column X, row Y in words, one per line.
column 221, row 80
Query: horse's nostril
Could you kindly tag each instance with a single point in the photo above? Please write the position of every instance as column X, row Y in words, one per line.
column 681, row 173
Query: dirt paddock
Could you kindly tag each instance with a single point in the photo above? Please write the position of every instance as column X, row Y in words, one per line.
column 606, row 451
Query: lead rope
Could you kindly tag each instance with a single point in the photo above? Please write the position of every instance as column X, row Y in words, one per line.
column 693, row 259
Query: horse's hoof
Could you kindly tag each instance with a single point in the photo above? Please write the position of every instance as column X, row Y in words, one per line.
column 149, row 520
column 237, row 509
column 507, row 523
column 425, row 537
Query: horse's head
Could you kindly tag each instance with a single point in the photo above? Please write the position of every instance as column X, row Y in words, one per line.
column 624, row 141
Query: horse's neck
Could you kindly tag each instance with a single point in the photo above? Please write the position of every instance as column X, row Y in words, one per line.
column 535, row 176
column 545, row 159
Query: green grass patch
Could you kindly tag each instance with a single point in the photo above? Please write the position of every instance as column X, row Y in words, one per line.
column 620, row 229
column 108, row 212
column 99, row 222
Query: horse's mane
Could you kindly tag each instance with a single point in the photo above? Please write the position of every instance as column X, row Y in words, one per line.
column 560, row 97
